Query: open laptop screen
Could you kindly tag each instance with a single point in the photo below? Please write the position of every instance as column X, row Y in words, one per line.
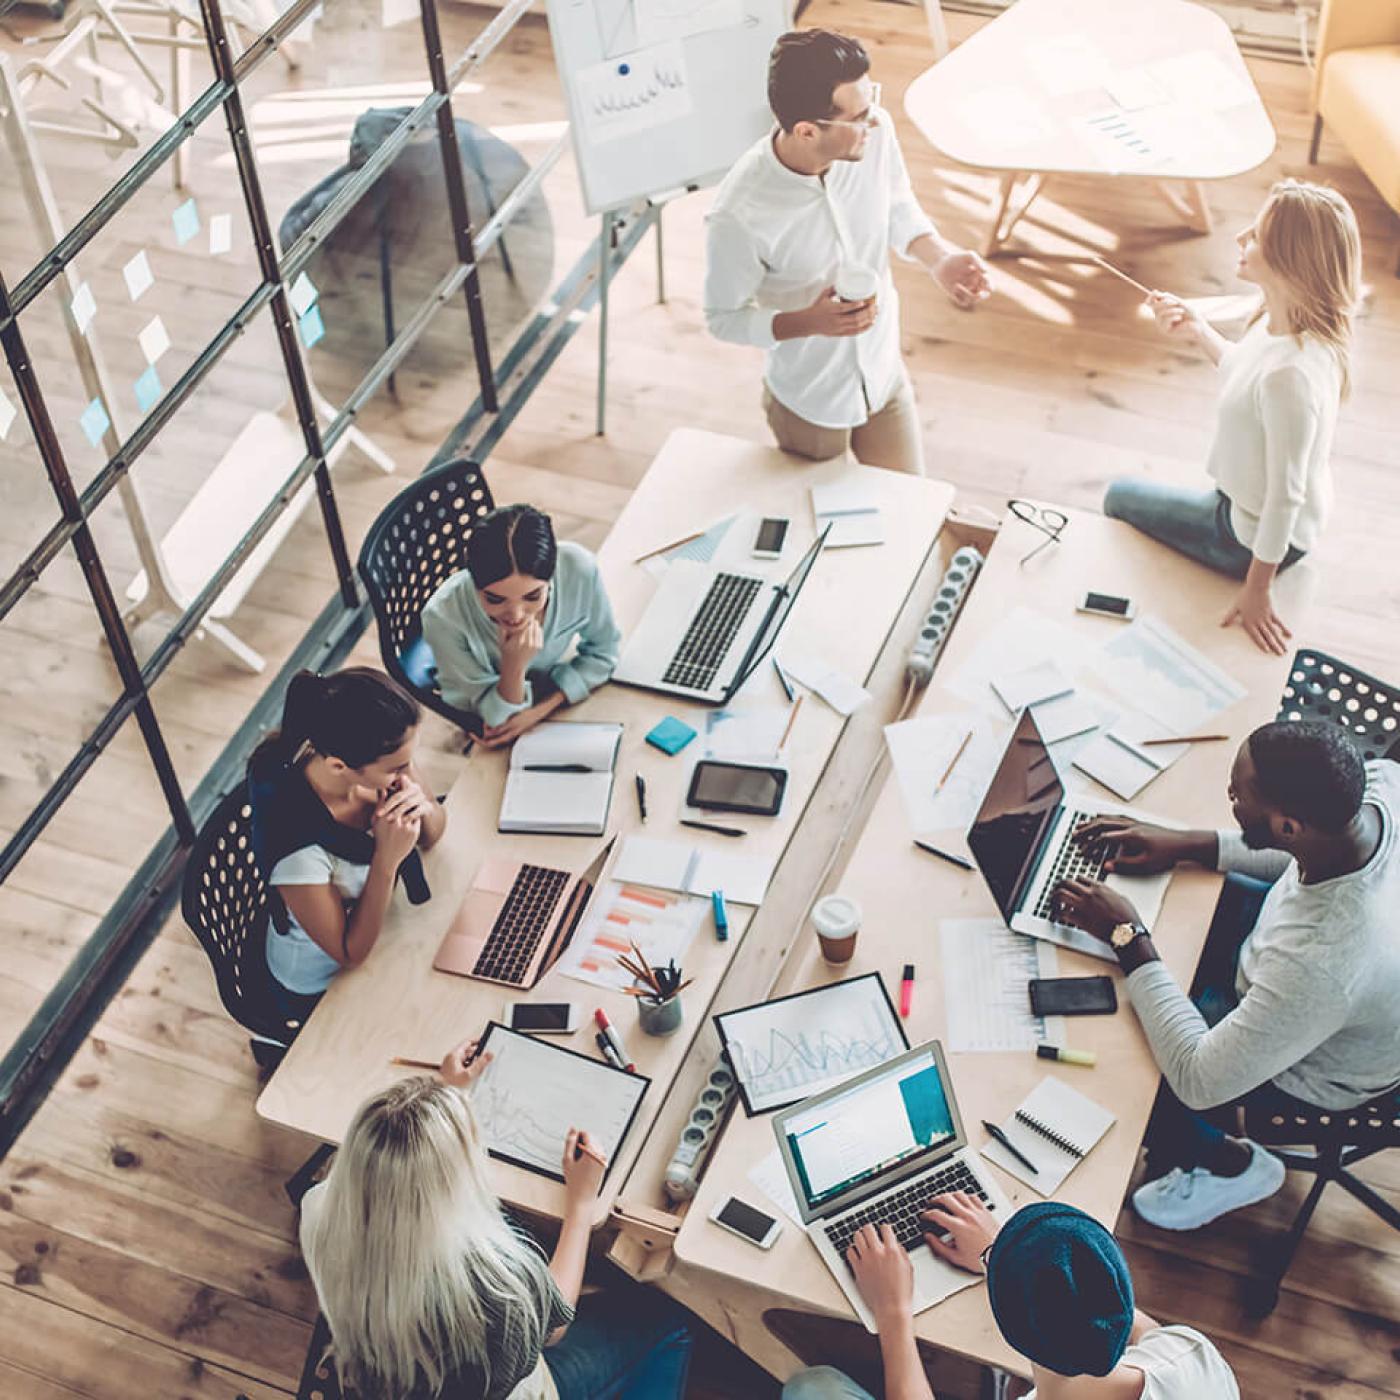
column 877, row 1122
column 1024, row 795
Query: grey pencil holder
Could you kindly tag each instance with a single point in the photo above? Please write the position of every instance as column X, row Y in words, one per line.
column 659, row 1017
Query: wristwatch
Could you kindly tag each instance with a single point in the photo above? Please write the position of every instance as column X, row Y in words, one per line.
column 1123, row 934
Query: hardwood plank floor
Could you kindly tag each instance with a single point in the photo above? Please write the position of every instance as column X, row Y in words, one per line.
column 147, row 1247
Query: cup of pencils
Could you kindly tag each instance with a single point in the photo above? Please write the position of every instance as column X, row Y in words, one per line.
column 657, row 990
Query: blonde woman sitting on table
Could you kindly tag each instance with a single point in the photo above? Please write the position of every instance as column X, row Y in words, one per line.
column 500, row 631
column 339, row 814
column 1280, row 389
column 432, row 1293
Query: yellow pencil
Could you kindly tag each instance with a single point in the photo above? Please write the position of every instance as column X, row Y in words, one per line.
column 792, row 719
column 948, row 771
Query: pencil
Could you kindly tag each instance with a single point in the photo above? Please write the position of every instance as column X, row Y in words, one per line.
column 674, row 544
column 581, row 1147
column 792, row 719
column 953, row 763
column 415, row 1064
column 1185, row 739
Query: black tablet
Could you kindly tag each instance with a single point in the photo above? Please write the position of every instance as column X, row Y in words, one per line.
column 737, row 787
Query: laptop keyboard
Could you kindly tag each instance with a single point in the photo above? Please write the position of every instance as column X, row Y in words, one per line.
column 711, row 632
column 521, row 924
column 1074, row 862
column 901, row 1209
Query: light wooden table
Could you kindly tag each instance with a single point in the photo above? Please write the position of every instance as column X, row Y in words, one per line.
column 904, row 893
column 397, row 1004
column 1016, row 95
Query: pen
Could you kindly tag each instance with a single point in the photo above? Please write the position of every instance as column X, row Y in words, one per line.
column 615, row 1040
column 1087, row 1058
column 906, row 991
column 944, row 855
column 557, row 768
column 721, row 915
column 609, row 1054
column 1006, row 1143
column 413, row 1064
column 642, row 796
column 581, row 1147
column 710, row 826
column 787, row 684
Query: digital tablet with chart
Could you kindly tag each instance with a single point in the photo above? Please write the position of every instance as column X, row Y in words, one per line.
column 786, row 1050
column 532, row 1093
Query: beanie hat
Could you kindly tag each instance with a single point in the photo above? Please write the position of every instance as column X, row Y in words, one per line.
column 1060, row 1290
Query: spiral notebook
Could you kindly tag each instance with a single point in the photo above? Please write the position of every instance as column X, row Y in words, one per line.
column 1055, row 1127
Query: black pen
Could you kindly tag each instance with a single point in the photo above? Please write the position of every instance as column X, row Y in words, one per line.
column 1006, row 1143
column 642, row 796
column 557, row 768
column 710, row 826
column 944, row 855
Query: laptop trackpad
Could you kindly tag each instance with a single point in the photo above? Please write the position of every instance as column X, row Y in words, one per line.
column 935, row 1280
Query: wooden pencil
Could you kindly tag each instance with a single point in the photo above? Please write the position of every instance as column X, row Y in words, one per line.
column 674, row 544
column 415, row 1064
column 1185, row 739
column 792, row 719
column 953, row 762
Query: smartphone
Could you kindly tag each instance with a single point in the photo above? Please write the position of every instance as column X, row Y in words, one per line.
column 768, row 542
column 1107, row 605
column 542, row 1017
column 1073, row 996
column 748, row 1222
column 737, row 787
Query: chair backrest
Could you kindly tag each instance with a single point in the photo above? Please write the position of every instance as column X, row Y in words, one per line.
column 1375, row 1124
column 319, row 1380
column 1322, row 687
column 225, row 902
column 418, row 542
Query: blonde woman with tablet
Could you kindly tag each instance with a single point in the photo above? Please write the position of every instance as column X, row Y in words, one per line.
column 1281, row 386
column 432, row 1293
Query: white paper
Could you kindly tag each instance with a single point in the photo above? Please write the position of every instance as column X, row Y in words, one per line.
column 302, row 294
column 850, row 508
column 138, row 276
column 1066, row 717
column 744, row 736
column 659, row 20
column 986, row 987
column 1202, row 78
column 83, row 307
column 1132, row 88
column 568, row 741
column 8, row 414
column 921, row 750
column 1122, row 141
column 1117, row 759
column 770, row 1176
column 692, row 869
column 637, row 92
column 221, row 231
column 153, row 340
column 1065, row 1111
column 839, row 691
column 394, row 12
column 702, row 549
column 556, row 801
column 1021, row 639
column 1069, row 64
column 1002, row 117
column 661, row 924
column 1045, row 680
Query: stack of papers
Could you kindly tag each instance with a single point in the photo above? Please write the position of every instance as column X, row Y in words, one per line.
column 678, row 865
column 852, row 511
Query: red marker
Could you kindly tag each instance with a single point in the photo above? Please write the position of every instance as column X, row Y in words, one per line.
column 615, row 1040
column 906, row 991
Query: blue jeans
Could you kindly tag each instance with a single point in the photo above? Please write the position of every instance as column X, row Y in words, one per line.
column 1192, row 522
column 625, row 1343
column 824, row 1383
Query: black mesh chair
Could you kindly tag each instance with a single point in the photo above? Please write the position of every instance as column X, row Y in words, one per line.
column 418, row 542
column 319, row 1380
column 225, row 902
column 1322, row 687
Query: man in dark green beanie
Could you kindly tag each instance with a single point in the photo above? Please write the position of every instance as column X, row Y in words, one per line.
column 1061, row 1294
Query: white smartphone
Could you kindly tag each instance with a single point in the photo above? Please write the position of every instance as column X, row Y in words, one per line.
column 1107, row 605
column 746, row 1221
column 768, row 542
column 542, row 1017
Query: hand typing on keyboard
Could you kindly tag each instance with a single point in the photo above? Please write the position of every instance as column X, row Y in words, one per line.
column 883, row 1273
column 960, row 1229
column 1093, row 906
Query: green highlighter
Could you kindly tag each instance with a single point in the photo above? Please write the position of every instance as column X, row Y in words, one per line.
column 671, row 735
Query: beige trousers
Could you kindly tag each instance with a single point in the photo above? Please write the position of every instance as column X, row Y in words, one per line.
column 888, row 438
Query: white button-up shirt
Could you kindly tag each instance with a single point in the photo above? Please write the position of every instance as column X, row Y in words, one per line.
column 774, row 239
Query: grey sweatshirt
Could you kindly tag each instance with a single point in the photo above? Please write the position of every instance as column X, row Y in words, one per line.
column 1318, row 983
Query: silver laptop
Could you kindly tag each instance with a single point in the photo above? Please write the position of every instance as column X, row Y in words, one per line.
column 1023, row 843
column 706, row 628
column 875, row 1150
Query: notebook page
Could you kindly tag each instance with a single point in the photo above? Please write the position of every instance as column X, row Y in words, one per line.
column 556, row 801
column 1065, row 1112
column 557, row 742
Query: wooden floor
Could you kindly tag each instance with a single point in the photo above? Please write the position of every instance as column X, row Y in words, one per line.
column 147, row 1247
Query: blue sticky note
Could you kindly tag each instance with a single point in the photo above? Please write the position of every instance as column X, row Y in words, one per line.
column 94, row 421
column 148, row 389
column 186, row 221
column 671, row 735
column 312, row 327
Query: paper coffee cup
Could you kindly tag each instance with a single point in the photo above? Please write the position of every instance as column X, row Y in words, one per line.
column 837, row 922
column 856, row 283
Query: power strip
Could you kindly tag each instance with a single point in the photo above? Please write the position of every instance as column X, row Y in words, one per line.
column 962, row 570
column 699, row 1134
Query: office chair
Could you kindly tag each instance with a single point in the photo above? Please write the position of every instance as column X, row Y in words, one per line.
column 418, row 542
column 319, row 1379
column 224, row 900
column 1322, row 687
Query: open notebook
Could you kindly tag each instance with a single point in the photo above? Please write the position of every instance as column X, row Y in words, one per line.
column 1054, row 1127
column 561, row 779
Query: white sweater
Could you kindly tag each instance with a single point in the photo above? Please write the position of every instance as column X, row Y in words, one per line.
column 1273, row 439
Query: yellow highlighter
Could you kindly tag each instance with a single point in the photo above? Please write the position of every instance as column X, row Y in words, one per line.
column 1087, row 1058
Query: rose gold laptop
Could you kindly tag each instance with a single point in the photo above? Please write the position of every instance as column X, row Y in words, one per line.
column 516, row 919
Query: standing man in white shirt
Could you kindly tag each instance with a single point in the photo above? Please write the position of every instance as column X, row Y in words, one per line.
column 815, row 205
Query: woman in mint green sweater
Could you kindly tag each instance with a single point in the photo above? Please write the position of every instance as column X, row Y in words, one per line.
column 501, row 630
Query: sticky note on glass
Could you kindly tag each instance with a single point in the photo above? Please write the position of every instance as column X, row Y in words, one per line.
column 138, row 275
column 8, row 414
column 94, row 422
column 312, row 327
column 83, row 307
column 302, row 294
column 186, row 222
column 148, row 389
column 154, row 341
column 220, row 234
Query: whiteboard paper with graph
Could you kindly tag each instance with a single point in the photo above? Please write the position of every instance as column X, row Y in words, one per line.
column 532, row 1093
column 662, row 94
column 786, row 1050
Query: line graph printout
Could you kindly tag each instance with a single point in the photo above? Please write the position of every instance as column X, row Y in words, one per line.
column 784, row 1051
column 532, row 1093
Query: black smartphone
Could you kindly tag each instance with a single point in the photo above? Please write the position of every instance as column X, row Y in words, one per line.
column 1073, row 996
column 737, row 787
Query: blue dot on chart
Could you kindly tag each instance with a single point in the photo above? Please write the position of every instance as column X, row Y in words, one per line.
column 624, row 69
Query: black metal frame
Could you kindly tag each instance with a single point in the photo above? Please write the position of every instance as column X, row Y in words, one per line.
column 29, row 1067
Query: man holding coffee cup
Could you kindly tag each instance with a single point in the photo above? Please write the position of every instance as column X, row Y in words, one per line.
column 797, row 258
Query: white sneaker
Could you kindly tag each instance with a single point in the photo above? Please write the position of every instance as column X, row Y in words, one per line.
column 1186, row 1200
